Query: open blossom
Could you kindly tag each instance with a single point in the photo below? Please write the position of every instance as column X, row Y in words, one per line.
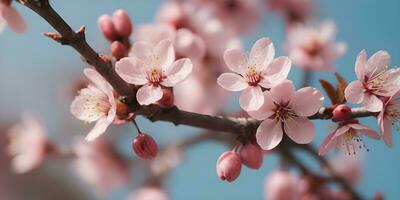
column 153, row 67
column 374, row 81
column 149, row 193
column 314, row 48
column 11, row 17
column 281, row 185
column 28, row 144
column 285, row 111
column 99, row 164
column 259, row 70
column 388, row 117
column 95, row 103
column 348, row 137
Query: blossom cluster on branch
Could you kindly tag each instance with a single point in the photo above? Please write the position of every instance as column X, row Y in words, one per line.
column 175, row 70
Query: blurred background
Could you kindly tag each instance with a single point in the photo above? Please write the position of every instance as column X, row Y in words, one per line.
column 37, row 74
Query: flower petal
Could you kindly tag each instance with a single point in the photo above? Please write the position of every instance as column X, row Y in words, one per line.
column 276, row 72
column 149, row 94
column 232, row 82
column 266, row 110
column 178, row 71
column 165, row 54
column 327, row 143
column 142, row 50
column 131, row 70
column 235, row 59
column 354, row 92
column 13, row 18
column 307, row 101
column 300, row 129
column 251, row 99
column 361, row 65
column 372, row 103
column 385, row 126
column 365, row 130
column 283, row 92
column 98, row 129
column 262, row 53
column 378, row 62
column 99, row 81
column 269, row 134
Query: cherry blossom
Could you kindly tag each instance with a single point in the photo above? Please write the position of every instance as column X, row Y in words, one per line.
column 99, row 165
column 285, row 111
column 374, row 81
column 294, row 11
column 95, row 103
column 149, row 193
column 314, row 48
column 153, row 67
column 11, row 17
column 390, row 115
column 28, row 144
column 281, row 185
column 259, row 71
column 348, row 137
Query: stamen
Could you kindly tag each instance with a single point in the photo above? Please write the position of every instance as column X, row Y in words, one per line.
column 253, row 76
column 351, row 142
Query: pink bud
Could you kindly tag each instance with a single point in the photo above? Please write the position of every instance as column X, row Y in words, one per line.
column 118, row 50
column 252, row 156
column 167, row 99
column 107, row 28
column 122, row 23
column 144, row 146
column 229, row 166
column 341, row 112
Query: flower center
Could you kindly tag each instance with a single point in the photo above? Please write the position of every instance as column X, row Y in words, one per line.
column 314, row 48
column 377, row 81
column 351, row 142
column 154, row 76
column 283, row 112
column 253, row 76
column 94, row 104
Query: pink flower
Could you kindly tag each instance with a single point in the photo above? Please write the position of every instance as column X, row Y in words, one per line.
column 285, row 111
column 117, row 27
column 95, row 103
column 294, row 11
column 28, row 144
column 12, row 17
column 153, row 67
column 348, row 137
column 252, row 156
column 229, row 165
column 149, row 193
column 374, row 81
column 154, row 33
column 259, row 70
column 390, row 115
column 281, row 185
column 99, row 164
column 313, row 48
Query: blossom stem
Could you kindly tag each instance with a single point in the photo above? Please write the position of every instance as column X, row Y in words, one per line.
column 136, row 126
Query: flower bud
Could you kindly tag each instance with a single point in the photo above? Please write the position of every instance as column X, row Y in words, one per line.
column 252, row 156
column 122, row 23
column 123, row 110
column 107, row 28
column 6, row 2
column 144, row 146
column 167, row 99
column 118, row 50
column 229, row 166
column 341, row 112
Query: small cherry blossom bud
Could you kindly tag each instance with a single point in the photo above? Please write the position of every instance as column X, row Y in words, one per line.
column 118, row 50
column 229, row 165
column 122, row 23
column 6, row 2
column 107, row 28
column 167, row 99
column 341, row 112
column 105, row 58
column 252, row 156
column 123, row 111
column 144, row 146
